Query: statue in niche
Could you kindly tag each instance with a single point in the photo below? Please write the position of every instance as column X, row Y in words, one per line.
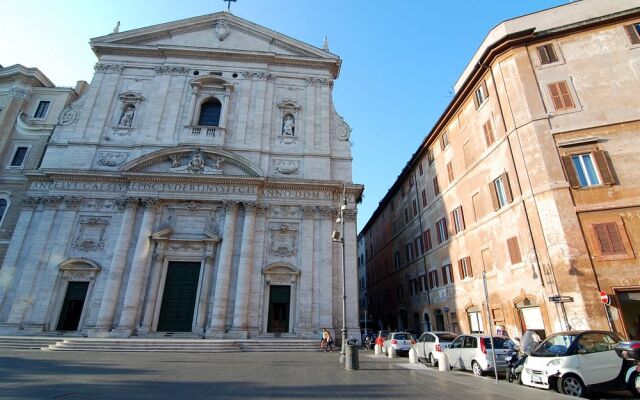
column 289, row 125
column 127, row 117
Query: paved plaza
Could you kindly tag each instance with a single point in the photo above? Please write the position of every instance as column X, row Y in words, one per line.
column 96, row 375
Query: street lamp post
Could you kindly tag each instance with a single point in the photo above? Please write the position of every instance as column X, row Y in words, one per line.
column 339, row 237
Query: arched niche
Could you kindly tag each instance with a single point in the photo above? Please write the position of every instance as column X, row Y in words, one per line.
column 203, row 90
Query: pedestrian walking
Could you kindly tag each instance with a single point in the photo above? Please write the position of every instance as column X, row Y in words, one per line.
column 326, row 336
column 323, row 341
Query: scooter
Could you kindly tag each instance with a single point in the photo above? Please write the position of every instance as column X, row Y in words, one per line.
column 515, row 364
column 630, row 351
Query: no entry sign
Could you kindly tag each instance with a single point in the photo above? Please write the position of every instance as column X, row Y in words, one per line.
column 604, row 297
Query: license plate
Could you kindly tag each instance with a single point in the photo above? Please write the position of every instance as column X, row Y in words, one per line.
column 405, row 347
column 535, row 379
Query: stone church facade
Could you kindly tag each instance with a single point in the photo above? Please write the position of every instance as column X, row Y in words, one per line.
column 193, row 189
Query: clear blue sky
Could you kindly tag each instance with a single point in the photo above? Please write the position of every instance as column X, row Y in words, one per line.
column 400, row 58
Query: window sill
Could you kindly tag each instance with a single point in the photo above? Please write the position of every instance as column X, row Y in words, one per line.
column 517, row 266
column 550, row 65
column 614, row 257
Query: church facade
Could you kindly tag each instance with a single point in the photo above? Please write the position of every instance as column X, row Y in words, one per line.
column 192, row 189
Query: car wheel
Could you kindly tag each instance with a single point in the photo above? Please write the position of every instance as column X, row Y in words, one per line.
column 477, row 369
column 634, row 384
column 432, row 360
column 571, row 385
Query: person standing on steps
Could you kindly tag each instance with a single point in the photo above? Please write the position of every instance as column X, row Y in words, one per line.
column 326, row 336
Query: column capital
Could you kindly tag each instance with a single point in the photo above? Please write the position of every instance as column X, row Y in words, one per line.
column 127, row 203
column 350, row 214
column 327, row 211
column 30, row 201
column 73, row 202
column 250, row 207
column 230, row 205
column 309, row 211
column 151, row 203
column 51, row 202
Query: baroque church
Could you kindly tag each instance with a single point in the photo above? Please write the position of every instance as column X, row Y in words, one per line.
column 192, row 189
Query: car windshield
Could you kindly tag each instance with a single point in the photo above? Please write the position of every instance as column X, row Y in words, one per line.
column 446, row 337
column 402, row 336
column 554, row 345
column 501, row 343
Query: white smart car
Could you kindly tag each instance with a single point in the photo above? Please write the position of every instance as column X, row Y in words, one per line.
column 573, row 361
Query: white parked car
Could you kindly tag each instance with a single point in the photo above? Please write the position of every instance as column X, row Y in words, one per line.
column 474, row 352
column 571, row 362
column 430, row 344
column 400, row 341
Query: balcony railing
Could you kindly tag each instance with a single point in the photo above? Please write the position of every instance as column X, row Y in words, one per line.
column 204, row 134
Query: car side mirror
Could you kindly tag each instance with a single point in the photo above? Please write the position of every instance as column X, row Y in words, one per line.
column 582, row 351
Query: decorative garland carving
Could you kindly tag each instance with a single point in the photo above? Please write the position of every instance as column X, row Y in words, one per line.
column 287, row 167
column 172, row 69
column 112, row 158
column 108, row 67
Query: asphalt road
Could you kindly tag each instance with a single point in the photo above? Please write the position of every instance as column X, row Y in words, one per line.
column 97, row 375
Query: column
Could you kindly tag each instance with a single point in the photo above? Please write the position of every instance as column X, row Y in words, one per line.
column 221, row 295
column 138, row 271
column 327, row 271
column 305, row 304
column 243, row 287
column 8, row 270
column 118, row 262
column 24, row 294
column 151, row 299
column 206, row 288
column 351, row 272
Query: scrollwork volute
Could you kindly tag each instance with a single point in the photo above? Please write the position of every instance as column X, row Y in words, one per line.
column 130, row 203
column 30, row 201
column 151, row 203
column 230, row 206
column 73, row 202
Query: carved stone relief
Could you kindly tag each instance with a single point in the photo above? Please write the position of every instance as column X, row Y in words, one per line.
column 286, row 167
column 339, row 126
column 284, row 211
column 196, row 165
column 70, row 114
column 221, row 28
column 172, row 69
column 283, row 240
column 108, row 67
column 90, row 234
column 112, row 158
column 289, row 115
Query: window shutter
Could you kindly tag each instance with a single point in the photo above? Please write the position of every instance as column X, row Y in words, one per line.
column 602, row 233
column 556, row 96
column 507, row 187
column 444, row 275
column 494, row 196
column 551, row 53
column 616, row 240
column 544, row 58
column 633, row 34
column 514, row 250
column 475, row 99
column 450, row 270
column 484, row 89
column 604, row 165
column 566, row 95
column 460, row 269
column 488, row 133
column 469, row 267
column 569, row 169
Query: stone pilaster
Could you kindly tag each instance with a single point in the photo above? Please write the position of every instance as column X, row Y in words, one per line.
column 151, row 300
column 308, row 244
column 205, row 290
column 8, row 270
column 221, row 295
column 118, row 262
column 138, row 271
column 24, row 294
column 243, row 286
column 325, row 281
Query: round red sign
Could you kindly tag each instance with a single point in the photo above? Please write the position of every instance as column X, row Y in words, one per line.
column 604, row 297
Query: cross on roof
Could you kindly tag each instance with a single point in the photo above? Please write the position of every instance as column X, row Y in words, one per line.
column 229, row 3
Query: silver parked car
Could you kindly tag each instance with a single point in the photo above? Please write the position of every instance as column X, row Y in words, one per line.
column 400, row 341
column 430, row 344
column 473, row 352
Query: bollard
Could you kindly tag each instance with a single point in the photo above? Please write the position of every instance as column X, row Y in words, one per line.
column 391, row 352
column 351, row 361
column 443, row 361
column 377, row 350
column 413, row 356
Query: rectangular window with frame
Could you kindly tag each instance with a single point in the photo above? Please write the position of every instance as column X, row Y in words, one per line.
column 450, row 171
column 419, row 244
column 396, row 260
column 480, row 95
column 611, row 241
column 489, row 135
column 406, row 215
column 415, row 207
column 487, row 259
column 433, row 279
column 409, row 252
column 633, row 31
column 514, row 250
column 441, row 227
column 412, row 287
column 420, row 170
column 457, row 220
column 430, row 156
column 427, row 239
column 444, row 140
column 500, row 190
column 477, row 207
column 41, row 111
column 464, row 266
column 447, row 274
column 436, row 186
column 422, row 280
column 424, row 197
column 19, row 156
column 467, row 151
column 588, row 169
column 400, row 291
column 547, row 54
column 561, row 96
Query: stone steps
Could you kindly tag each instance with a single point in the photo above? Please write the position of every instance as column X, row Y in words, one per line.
column 160, row 345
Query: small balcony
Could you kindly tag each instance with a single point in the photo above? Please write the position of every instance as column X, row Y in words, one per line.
column 200, row 134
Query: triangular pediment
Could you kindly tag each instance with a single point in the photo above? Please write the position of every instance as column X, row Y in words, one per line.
column 218, row 32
